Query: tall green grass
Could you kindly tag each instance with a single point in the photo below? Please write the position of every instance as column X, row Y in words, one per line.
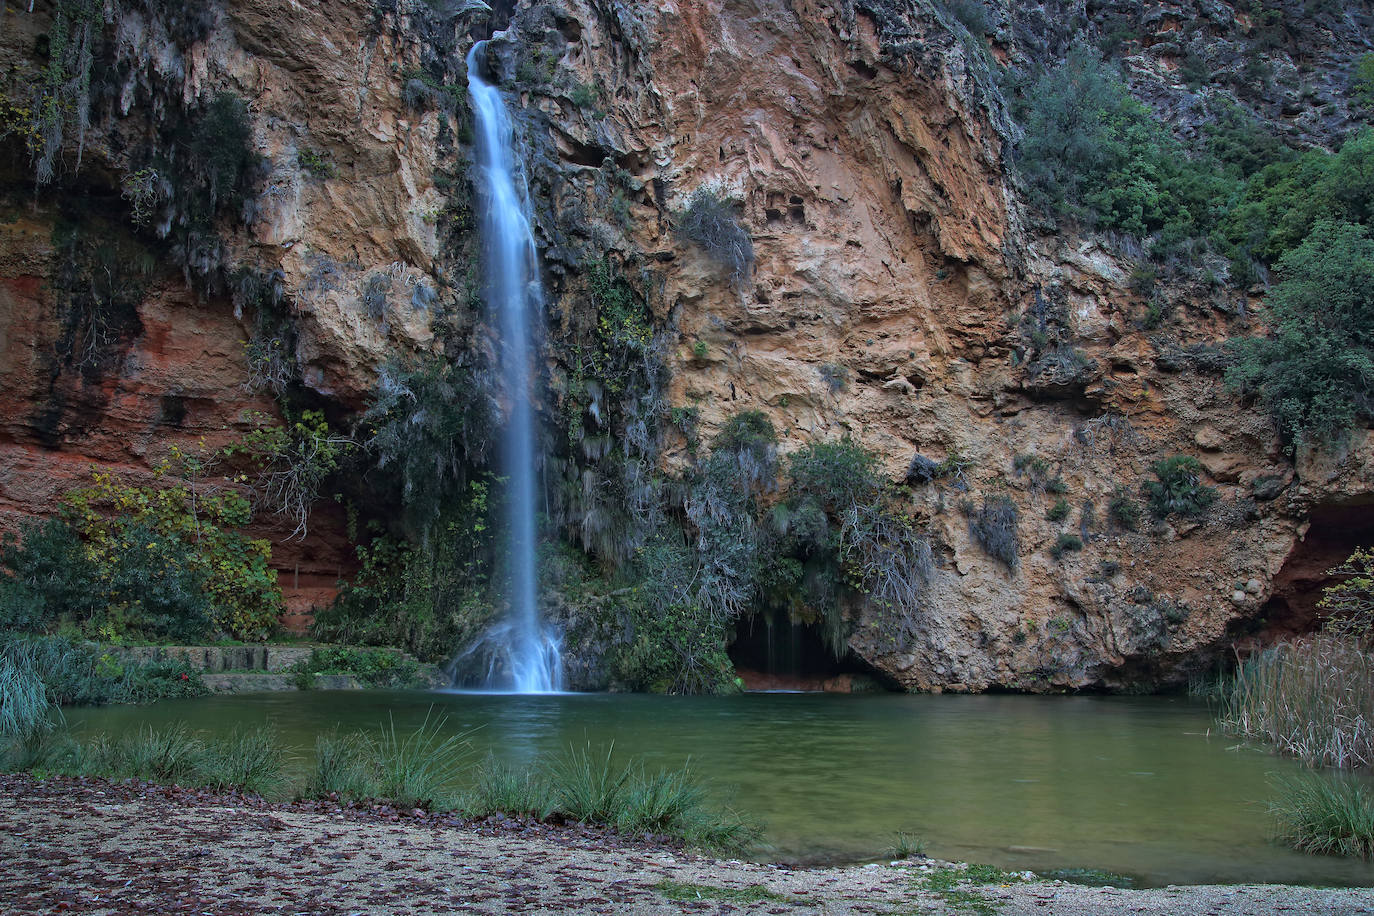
column 1325, row 814
column 24, row 703
column 344, row 768
column 38, row 674
column 420, row 769
column 591, row 786
column 503, row 789
column 1311, row 698
column 426, row 768
column 248, row 760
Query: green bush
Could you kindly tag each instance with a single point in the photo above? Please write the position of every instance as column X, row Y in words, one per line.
column 1362, row 81
column 1059, row 511
column 676, row 648
column 248, row 760
column 428, row 598
column 293, row 461
column 1314, row 371
column 1285, row 201
column 43, row 573
column 838, row 475
column 1123, row 509
column 129, row 580
column 1349, row 603
column 373, row 667
column 1324, row 814
column 1092, row 154
column 846, row 525
column 1177, row 488
column 1065, row 544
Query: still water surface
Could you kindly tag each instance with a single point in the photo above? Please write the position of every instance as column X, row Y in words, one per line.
column 1131, row 785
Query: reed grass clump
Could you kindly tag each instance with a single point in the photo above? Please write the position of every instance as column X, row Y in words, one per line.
column 503, row 789
column 1325, row 814
column 171, row 755
column 24, row 703
column 420, row 770
column 592, row 787
column 1311, row 698
column 343, row 768
column 249, row 760
column 426, row 768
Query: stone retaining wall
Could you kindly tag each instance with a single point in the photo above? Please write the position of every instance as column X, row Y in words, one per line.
column 211, row 659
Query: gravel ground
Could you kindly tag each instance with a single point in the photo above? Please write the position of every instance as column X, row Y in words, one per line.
column 91, row 846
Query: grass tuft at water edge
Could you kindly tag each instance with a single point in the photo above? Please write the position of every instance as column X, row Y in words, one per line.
column 1324, row 813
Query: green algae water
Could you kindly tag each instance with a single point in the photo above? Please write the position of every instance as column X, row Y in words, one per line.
column 1145, row 787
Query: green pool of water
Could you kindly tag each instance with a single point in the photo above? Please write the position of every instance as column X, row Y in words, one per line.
column 1140, row 786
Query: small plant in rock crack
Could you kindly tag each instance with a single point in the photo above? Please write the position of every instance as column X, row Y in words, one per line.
column 709, row 221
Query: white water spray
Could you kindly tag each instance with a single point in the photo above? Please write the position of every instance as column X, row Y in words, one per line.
column 524, row 654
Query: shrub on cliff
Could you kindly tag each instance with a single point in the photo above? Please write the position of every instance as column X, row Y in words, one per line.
column 993, row 525
column 1314, row 371
column 170, row 557
column 1178, row 488
column 431, row 423
column 849, row 527
column 1094, row 155
column 709, row 221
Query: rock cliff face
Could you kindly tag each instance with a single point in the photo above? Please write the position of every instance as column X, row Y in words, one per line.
column 894, row 291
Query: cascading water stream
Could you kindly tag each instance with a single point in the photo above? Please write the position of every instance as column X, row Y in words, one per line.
column 531, row 650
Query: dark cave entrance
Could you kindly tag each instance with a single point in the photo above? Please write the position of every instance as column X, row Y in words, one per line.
column 1334, row 533
column 773, row 652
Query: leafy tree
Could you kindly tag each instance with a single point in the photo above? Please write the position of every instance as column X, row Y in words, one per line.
column 1315, row 369
column 1285, row 201
column 1094, row 155
column 1350, row 602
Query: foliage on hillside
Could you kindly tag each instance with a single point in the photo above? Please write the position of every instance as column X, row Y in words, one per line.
column 1227, row 209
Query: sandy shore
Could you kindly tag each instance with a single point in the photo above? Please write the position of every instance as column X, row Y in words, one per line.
column 88, row 846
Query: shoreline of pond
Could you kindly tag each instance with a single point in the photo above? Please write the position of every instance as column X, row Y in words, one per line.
column 97, row 846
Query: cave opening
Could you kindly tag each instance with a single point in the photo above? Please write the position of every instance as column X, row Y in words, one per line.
column 772, row 652
column 1333, row 533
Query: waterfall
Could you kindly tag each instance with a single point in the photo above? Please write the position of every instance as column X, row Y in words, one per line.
column 529, row 650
